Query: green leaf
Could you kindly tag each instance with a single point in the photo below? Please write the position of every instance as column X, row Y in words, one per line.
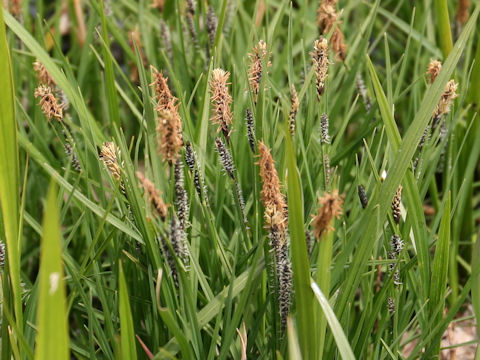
column 52, row 338
column 300, row 263
column 9, row 171
column 127, row 332
column 342, row 343
column 293, row 346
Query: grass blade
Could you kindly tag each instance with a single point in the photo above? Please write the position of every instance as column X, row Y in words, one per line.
column 127, row 332
column 52, row 338
column 9, row 171
column 340, row 338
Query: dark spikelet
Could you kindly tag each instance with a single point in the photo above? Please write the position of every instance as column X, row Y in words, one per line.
column 250, row 129
column 190, row 156
column 397, row 199
column 362, row 195
column 391, row 305
column 293, row 109
column 183, row 208
column 241, row 201
column 191, row 22
column 326, row 164
column 362, row 90
column 71, row 153
column 396, row 275
column 166, row 38
column 284, row 267
column 212, row 23
column 170, row 259
column 2, row 253
column 178, row 240
column 324, row 122
column 396, row 243
column 225, row 158
column 192, row 165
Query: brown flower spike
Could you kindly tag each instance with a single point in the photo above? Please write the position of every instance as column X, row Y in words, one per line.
column 320, row 63
column 433, row 70
column 153, row 196
column 108, row 154
column 43, row 75
column 163, row 95
column 331, row 205
column 221, row 100
column 169, row 134
column 326, row 19
column 258, row 57
column 48, row 102
column 449, row 94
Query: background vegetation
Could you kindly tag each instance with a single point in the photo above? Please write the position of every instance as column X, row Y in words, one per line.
column 93, row 271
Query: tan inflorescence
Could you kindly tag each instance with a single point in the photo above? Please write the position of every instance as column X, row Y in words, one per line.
column 169, row 128
column 108, row 154
column 331, row 206
column 433, row 70
column 271, row 196
column 258, row 57
column 326, row 19
column 43, row 75
column 449, row 94
column 221, row 100
column 320, row 63
column 48, row 102
column 153, row 196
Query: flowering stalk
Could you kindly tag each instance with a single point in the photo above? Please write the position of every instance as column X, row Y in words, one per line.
column 258, row 58
column 153, row 195
column 320, row 63
column 221, row 100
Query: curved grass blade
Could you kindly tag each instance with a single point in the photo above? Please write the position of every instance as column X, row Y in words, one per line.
column 9, row 172
column 52, row 339
column 127, row 332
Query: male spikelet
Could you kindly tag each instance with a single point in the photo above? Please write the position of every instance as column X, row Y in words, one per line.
column 163, row 95
column 43, row 75
column 433, row 70
column 221, row 100
column 326, row 18
column 320, row 63
column 48, row 102
column 331, row 206
column 108, row 154
column 258, row 57
column 169, row 134
column 445, row 103
column 153, row 195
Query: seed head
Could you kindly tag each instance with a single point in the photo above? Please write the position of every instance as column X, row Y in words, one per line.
column 326, row 19
column 463, row 11
column 320, row 63
column 48, row 102
column 158, row 4
column 258, row 58
column 433, row 70
column 324, row 122
column 153, row 195
column 169, row 134
column 179, row 241
column 293, row 109
column 71, row 153
column 43, row 75
column 331, row 205
column 397, row 199
column 108, row 154
column 391, row 305
column 271, row 196
column 165, row 99
column 212, row 23
column 449, row 94
column 183, row 208
column 250, row 129
column 338, row 44
column 362, row 195
column 225, row 158
column 2, row 253
column 396, row 243
column 221, row 101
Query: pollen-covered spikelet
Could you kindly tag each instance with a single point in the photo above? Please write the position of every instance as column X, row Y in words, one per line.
column 271, row 196
column 212, row 23
column 169, row 134
column 331, row 206
column 221, row 100
column 258, row 57
column 326, row 19
column 43, row 75
column 108, row 154
column 449, row 94
column 163, row 95
column 158, row 4
column 48, row 102
column 397, row 199
column 433, row 70
column 324, row 124
column 293, row 109
column 320, row 63
column 225, row 158
column 153, row 196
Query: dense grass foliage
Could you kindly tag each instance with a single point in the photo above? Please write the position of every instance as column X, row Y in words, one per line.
column 238, row 179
